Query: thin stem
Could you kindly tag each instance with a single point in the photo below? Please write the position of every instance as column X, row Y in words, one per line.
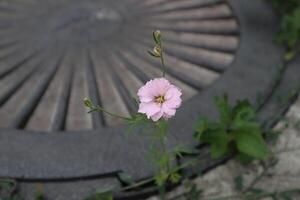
column 138, row 184
column 149, row 180
column 164, row 151
column 98, row 108
column 162, row 192
column 162, row 60
column 164, row 168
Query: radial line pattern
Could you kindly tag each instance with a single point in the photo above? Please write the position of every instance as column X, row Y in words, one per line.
column 53, row 53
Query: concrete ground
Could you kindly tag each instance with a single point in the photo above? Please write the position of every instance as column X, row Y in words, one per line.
column 285, row 175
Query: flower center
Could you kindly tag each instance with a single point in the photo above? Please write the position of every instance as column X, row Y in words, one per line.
column 160, row 99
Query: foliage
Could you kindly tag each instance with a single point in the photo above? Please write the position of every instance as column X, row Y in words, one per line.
column 125, row 178
column 285, row 6
column 237, row 131
column 40, row 196
column 8, row 190
column 290, row 28
column 289, row 33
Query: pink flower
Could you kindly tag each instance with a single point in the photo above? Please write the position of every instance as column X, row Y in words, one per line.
column 159, row 98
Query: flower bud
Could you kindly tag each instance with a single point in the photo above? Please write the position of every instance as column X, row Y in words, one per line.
column 157, row 36
column 157, row 51
column 88, row 103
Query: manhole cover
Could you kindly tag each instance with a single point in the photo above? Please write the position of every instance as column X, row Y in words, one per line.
column 53, row 53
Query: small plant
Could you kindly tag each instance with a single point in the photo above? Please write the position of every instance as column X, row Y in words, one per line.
column 157, row 102
column 285, row 6
column 237, row 132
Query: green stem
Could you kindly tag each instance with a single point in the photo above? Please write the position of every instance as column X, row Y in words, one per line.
column 98, row 108
column 138, row 184
column 162, row 192
column 164, row 151
column 163, row 64
column 149, row 180
column 162, row 60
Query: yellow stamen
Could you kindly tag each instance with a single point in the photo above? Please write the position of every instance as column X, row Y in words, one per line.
column 160, row 99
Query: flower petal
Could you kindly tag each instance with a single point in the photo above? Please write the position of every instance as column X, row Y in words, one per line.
column 160, row 86
column 149, row 108
column 167, row 110
column 157, row 116
column 173, row 92
column 151, row 90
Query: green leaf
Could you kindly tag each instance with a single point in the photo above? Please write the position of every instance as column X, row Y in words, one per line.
column 251, row 143
column 244, row 158
column 161, row 178
column 5, row 185
column 219, row 142
column 202, row 126
column 237, row 131
column 107, row 189
column 290, row 27
column 183, row 149
column 39, row 196
column 218, row 150
column 175, row 177
column 246, row 127
column 125, row 178
column 243, row 111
